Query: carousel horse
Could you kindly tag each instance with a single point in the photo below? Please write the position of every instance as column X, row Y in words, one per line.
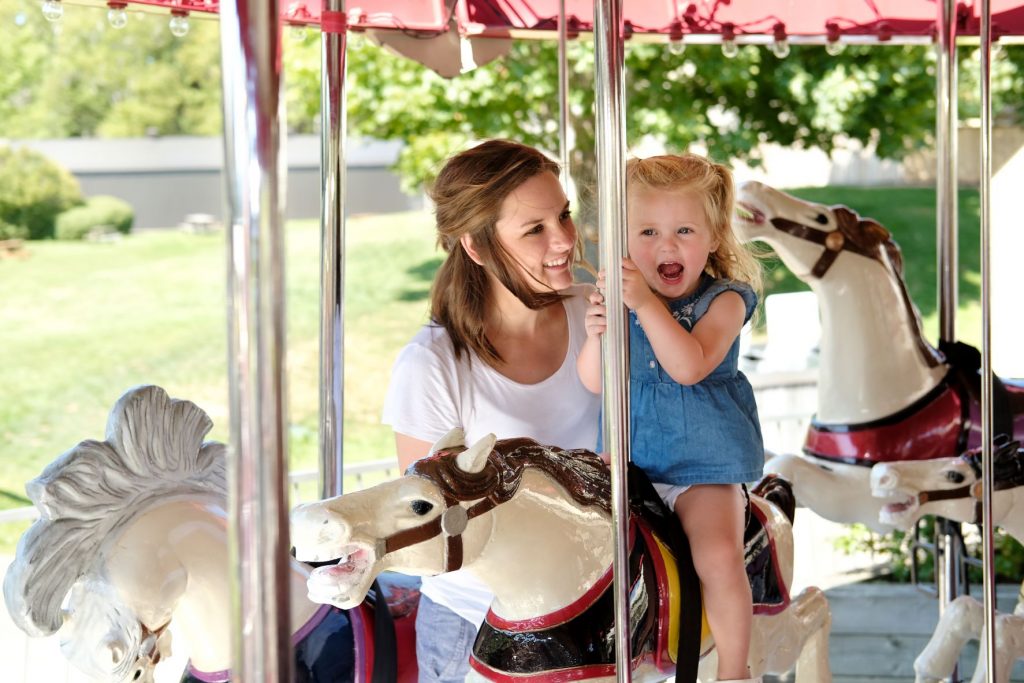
column 132, row 544
column 884, row 393
column 951, row 488
column 533, row 523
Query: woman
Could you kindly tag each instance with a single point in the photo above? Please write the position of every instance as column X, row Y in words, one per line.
column 499, row 355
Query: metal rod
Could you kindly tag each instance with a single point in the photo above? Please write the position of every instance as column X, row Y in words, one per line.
column 611, row 218
column 332, row 253
column 988, row 545
column 946, row 153
column 251, row 83
column 563, row 99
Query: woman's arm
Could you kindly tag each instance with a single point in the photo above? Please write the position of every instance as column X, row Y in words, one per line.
column 689, row 357
column 410, row 449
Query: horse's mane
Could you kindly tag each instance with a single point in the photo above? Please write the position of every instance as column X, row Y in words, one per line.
column 154, row 448
column 869, row 235
column 1007, row 464
column 580, row 472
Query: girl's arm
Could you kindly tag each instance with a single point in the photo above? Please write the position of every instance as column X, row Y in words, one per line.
column 687, row 357
column 588, row 363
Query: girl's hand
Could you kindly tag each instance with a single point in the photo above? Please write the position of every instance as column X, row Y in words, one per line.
column 635, row 292
column 596, row 321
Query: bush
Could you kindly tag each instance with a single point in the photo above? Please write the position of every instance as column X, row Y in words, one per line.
column 12, row 232
column 100, row 212
column 33, row 191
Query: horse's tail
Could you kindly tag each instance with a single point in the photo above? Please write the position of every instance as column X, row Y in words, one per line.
column 777, row 491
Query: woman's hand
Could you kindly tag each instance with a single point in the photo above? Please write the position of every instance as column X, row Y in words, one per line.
column 596, row 321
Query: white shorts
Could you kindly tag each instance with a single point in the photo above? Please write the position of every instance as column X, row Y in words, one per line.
column 669, row 493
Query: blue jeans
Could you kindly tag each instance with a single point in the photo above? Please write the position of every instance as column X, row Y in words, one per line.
column 444, row 642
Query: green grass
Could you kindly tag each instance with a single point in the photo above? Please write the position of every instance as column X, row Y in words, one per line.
column 83, row 322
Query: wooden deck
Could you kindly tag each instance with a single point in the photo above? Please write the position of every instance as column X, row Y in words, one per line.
column 879, row 629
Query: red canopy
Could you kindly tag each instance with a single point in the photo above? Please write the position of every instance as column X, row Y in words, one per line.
column 831, row 19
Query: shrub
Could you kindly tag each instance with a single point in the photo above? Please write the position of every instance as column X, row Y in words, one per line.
column 100, row 212
column 34, row 190
column 12, row 232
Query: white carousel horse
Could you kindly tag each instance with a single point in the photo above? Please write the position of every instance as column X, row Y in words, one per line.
column 884, row 394
column 132, row 544
column 950, row 487
column 533, row 523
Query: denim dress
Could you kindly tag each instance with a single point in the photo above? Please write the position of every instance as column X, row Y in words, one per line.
column 705, row 433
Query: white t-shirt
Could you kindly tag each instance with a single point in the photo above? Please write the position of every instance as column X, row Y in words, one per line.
column 431, row 393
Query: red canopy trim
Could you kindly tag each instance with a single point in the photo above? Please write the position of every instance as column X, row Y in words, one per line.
column 821, row 19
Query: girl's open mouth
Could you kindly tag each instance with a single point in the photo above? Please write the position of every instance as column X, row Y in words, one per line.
column 671, row 273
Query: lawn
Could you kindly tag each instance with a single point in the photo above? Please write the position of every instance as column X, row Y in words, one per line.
column 82, row 322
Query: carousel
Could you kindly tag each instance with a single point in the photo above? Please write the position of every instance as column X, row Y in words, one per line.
column 156, row 531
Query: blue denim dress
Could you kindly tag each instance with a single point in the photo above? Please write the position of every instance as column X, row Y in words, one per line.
column 706, row 433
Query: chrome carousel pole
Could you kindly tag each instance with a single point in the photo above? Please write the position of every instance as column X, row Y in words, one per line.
column 251, row 82
column 948, row 552
column 563, row 100
column 988, row 545
column 611, row 219
column 332, row 246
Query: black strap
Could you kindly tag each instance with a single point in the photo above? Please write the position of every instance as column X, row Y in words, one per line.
column 645, row 500
column 967, row 361
column 385, row 645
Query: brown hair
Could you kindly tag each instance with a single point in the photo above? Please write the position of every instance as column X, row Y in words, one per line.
column 713, row 182
column 468, row 195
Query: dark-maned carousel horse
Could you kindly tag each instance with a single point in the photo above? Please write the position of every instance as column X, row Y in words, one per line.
column 131, row 545
column 884, row 393
column 951, row 488
column 533, row 523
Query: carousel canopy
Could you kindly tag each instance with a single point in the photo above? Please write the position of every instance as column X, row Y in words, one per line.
column 821, row 19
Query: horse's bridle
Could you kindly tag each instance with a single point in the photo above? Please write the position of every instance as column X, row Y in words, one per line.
column 456, row 487
column 834, row 242
column 452, row 522
column 839, row 240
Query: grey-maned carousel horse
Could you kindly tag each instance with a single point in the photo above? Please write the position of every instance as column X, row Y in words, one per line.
column 884, row 394
column 533, row 523
column 951, row 488
column 131, row 544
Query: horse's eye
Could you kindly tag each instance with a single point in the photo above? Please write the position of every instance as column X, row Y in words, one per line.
column 822, row 218
column 954, row 477
column 421, row 507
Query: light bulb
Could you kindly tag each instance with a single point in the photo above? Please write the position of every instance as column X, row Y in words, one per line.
column 780, row 48
column 117, row 15
column 178, row 23
column 53, row 10
column 834, row 47
column 729, row 48
column 676, row 46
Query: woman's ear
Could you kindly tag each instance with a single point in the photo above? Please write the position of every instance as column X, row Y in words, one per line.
column 470, row 249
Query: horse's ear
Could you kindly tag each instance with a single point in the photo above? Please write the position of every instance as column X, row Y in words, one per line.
column 455, row 437
column 474, row 458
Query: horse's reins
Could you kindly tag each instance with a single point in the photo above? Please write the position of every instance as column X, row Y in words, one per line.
column 843, row 239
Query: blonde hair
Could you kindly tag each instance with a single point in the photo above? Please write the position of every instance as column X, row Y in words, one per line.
column 468, row 196
column 713, row 182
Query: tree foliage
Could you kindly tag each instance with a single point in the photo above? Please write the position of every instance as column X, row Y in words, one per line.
column 82, row 78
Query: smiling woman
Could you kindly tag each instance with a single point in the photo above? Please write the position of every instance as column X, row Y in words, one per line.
column 499, row 355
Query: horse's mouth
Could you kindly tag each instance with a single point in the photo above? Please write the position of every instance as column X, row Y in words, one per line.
column 896, row 511
column 749, row 213
column 344, row 583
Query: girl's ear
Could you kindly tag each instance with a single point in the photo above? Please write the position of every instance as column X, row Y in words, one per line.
column 470, row 249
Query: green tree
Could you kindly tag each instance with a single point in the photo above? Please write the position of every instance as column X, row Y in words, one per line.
column 83, row 78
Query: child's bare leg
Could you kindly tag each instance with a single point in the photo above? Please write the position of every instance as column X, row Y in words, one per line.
column 713, row 516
